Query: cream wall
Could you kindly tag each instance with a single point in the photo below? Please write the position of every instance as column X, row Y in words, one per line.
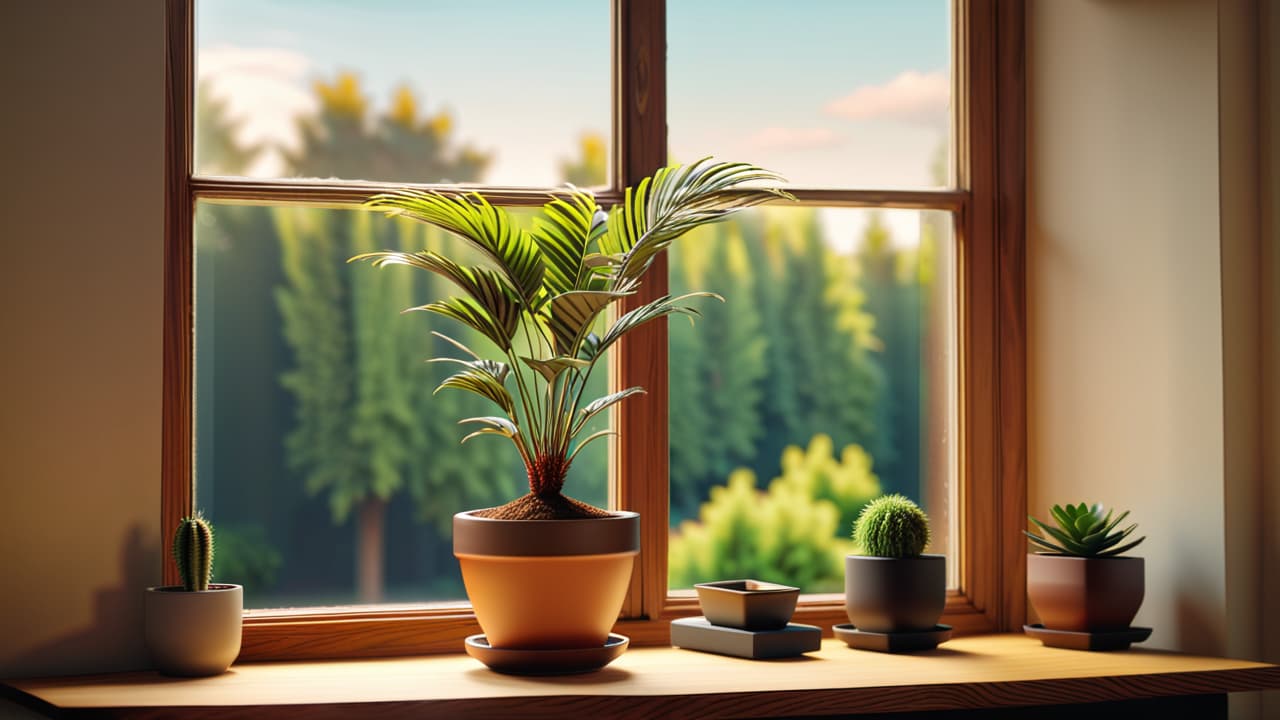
column 80, row 313
column 1124, row 300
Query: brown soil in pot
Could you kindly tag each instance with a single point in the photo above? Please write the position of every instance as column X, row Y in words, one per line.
column 543, row 507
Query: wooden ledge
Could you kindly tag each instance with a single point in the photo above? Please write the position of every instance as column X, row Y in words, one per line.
column 990, row 671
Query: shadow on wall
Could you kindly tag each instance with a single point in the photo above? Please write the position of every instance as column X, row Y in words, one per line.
column 1199, row 626
column 113, row 639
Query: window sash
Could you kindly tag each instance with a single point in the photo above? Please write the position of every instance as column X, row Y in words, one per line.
column 988, row 137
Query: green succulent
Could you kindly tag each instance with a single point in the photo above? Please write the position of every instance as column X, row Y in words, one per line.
column 541, row 296
column 1083, row 531
column 891, row 526
column 193, row 551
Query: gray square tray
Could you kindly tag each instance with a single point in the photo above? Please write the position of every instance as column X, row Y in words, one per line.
column 696, row 633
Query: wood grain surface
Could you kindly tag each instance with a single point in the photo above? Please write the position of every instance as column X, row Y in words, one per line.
column 977, row 672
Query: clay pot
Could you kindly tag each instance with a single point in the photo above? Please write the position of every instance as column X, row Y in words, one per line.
column 1085, row 594
column 747, row 604
column 890, row 595
column 546, row 584
column 193, row 634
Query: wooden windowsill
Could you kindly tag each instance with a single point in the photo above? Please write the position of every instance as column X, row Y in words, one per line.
column 989, row 671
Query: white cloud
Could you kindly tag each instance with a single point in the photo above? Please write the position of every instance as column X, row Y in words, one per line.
column 782, row 138
column 914, row 97
column 265, row 88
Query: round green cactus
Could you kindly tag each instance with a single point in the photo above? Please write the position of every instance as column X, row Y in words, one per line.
column 193, row 551
column 891, row 526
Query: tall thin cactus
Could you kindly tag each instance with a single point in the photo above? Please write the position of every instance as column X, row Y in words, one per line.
column 193, row 551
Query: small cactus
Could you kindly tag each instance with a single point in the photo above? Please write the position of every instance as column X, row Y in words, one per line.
column 891, row 526
column 193, row 551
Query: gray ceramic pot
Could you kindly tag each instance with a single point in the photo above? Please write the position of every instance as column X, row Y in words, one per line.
column 885, row 595
column 193, row 633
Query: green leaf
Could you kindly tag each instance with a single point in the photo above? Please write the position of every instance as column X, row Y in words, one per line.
column 484, row 381
column 1045, row 543
column 663, row 306
column 551, row 368
column 588, row 439
column 1123, row 549
column 499, row 329
column 1068, row 543
column 598, row 405
column 674, row 200
column 573, row 313
column 564, row 232
column 497, row 423
column 489, row 229
column 1061, row 516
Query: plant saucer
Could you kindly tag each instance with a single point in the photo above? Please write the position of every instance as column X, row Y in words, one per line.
column 894, row 642
column 559, row 661
column 1103, row 640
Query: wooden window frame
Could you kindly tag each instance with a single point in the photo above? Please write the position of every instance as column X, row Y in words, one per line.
column 988, row 205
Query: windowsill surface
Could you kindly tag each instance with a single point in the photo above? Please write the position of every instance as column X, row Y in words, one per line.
column 970, row 672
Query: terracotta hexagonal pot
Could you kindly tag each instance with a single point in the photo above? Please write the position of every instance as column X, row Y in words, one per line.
column 1085, row 594
column 546, row 584
column 890, row 595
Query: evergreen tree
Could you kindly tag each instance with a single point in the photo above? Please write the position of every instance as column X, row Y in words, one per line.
column 717, row 368
column 363, row 426
column 591, row 167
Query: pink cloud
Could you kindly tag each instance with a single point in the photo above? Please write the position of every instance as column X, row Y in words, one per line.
column 781, row 138
column 911, row 96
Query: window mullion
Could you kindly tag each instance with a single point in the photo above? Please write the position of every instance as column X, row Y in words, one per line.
column 641, row 472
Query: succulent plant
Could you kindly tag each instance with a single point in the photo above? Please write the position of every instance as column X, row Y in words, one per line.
column 891, row 526
column 193, row 551
column 1083, row 531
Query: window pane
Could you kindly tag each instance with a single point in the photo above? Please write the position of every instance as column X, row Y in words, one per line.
column 330, row 470
column 829, row 94
column 824, row 380
column 503, row 92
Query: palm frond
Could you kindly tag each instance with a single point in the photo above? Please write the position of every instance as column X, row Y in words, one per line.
column 673, row 201
column 484, row 226
column 564, row 232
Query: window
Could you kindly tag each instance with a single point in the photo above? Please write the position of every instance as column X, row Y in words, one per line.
column 256, row 239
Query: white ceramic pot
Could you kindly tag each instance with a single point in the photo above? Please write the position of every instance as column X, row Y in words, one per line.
column 193, row 633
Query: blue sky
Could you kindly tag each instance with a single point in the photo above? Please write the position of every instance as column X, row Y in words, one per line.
column 846, row 93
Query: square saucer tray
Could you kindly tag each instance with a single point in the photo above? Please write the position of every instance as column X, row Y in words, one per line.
column 697, row 633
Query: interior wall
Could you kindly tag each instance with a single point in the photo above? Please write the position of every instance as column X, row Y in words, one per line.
column 1270, row 336
column 1124, row 297
column 80, row 312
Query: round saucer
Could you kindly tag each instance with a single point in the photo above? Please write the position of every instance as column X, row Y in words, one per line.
column 566, row 661
column 1099, row 640
column 892, row 642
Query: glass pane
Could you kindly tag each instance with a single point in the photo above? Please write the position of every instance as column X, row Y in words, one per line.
column 837, row 94
column 825, row 379
column 503, row 92
column 330, row 470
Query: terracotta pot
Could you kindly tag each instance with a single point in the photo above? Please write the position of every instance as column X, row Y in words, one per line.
column 546, row 584
column 1085, row 594
column 193, row 633
column 885, row 595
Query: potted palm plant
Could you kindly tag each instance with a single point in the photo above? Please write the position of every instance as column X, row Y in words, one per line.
column 545, row 572
column 1085, row 594
column 193, row 629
